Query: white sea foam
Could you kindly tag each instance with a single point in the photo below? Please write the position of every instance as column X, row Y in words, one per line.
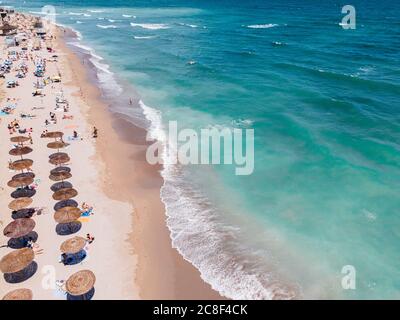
column 143, row 37
column 262, row 26
column 202, row 239
column 75, row 13
column 242, row 123
column 150, row 26
column 188, row 25
column 111, row 26
column 96, row 11
column 79, row 22
column 128, row 16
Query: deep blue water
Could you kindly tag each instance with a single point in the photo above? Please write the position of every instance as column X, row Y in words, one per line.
column 324, row 104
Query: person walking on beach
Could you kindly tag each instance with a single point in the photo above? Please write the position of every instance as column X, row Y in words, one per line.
column 94, row 132
column 130, row 101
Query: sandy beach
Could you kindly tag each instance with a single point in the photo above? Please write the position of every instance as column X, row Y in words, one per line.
column 131, row 255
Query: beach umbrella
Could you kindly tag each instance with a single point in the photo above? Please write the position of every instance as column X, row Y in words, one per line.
column 20, row 203
column 19, row 228
column 73, row 245
column 61, row 185
column 23, row 175
column 19, row 139
column 67, row 214
column 19, row 294
column 60, row 169
column 59, row 158
column 21, row 164
column 54, row 135
column 20, row 151
column 56, row 145
column 23, row 193
column 65, row 194
column 60, row 176
column 65, row 203
column 16, row 260
column 20, row 182
column 80, row 283
column 58, row 155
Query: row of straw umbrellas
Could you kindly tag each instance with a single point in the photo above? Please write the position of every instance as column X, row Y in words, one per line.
column 80, row 286
column 19, row 264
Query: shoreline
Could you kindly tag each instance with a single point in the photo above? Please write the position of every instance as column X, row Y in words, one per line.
column 123, row 145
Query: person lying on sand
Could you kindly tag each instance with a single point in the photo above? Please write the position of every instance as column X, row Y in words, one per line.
column 68, row 117
column 89, row 238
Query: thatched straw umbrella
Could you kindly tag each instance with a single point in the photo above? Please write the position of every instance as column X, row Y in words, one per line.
column 20, row 151
column 21, row 165
column 20, row 203
column 60, row 169
column 59, row 158
column 19, row 139
column 19, row 294
column 17, row 260
column 54, row 135
column 67, row 214
column 65, row 194
column 73, row 245
column 56, row 145
column 19, row 228
column 80, row 283
column 60, row 176
column 21, row 182
column 23, row 175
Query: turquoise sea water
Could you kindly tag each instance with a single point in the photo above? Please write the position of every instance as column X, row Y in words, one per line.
column 324, row 103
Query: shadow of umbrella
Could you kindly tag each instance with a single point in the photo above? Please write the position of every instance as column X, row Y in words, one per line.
column 61, row 185
column 87, row 296
column 23, row 213
column 23, row 193
column 22, row 242
column 80, row 286
column 19, row 294
column 65, row 203
column 66, row 229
